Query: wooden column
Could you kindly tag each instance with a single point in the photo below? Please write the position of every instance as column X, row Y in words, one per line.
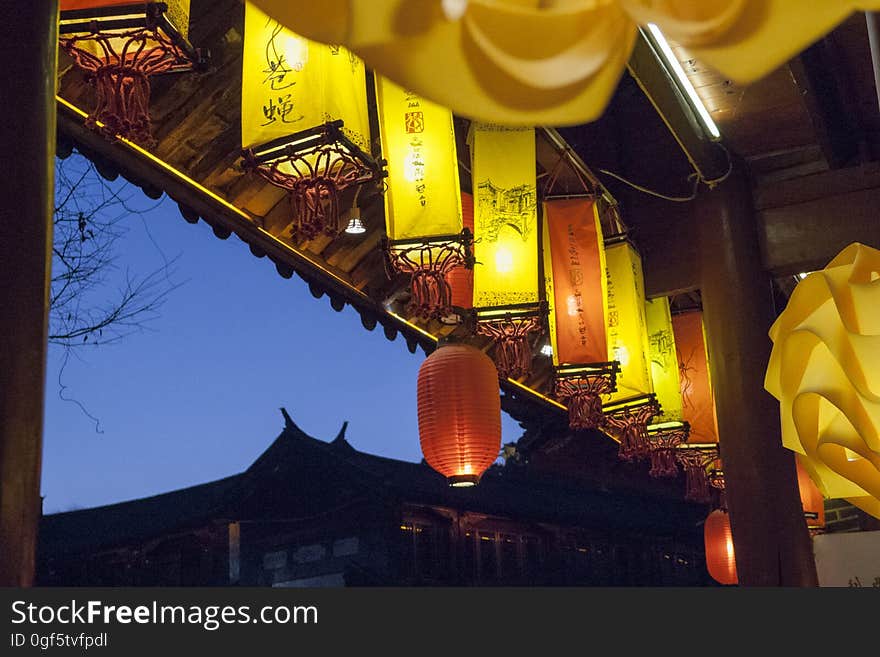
column 28, row 53
column 772, row 543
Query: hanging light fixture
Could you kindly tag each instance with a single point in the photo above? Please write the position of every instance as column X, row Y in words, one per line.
column 633, row 405
column 576, row 288
column 423, row 216
column 823, row 370
column 459, row 412
column 507, row 305
column 718, row 540
column 667, row 56
column 305, row 123
column 355, row 226
column 121, row 45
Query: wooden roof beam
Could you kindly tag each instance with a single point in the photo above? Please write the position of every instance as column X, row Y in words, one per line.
column 820, row 73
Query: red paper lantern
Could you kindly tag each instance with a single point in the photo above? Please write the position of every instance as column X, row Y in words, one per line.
column 459, row 413
column 811, row 499
column 720, row 559
column 461, row 279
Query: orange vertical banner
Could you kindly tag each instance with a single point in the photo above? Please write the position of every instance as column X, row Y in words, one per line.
column 697, row 400
column 578, row 280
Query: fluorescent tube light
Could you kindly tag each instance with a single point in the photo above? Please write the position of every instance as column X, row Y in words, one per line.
column 684, row 83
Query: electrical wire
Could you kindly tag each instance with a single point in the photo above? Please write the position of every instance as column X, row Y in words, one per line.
column 696, row 177
column 678, row 199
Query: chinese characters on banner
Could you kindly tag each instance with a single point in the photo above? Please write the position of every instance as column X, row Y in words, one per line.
column 698, row 403
column 664, row 359
column 422, row 197
column 574, row 262
column 505, row 215
column 290, row 84
column 627, row 327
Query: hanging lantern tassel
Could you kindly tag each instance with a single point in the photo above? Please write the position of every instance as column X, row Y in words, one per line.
column 581, row 389
column 511, row 332
column 664, row 440
column 305, row 124
column 695, row 462
column 629, row 424
column 320, row 168
column 429, row 264
column 119, row 53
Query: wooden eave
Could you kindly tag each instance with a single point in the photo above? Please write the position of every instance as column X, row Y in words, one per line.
column 645, row 135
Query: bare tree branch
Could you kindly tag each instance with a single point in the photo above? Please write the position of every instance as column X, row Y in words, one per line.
column 93, row 301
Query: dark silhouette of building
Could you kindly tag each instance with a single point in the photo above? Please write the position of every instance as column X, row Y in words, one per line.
column 313, row 513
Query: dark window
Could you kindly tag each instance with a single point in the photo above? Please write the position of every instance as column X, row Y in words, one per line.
column 425, row 552
column 488, row 557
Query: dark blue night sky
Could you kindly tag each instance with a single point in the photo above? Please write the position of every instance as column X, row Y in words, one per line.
column 195, row 396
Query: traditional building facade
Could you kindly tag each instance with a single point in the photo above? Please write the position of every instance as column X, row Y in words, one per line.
column 314, row 513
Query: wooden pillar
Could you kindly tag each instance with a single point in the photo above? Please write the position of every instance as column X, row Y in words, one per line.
column 771, row 541
column 28, row 53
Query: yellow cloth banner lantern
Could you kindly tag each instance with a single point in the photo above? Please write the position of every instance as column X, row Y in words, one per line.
column 823, row 370
column 576, row 287
column 418, row 140
column 423, row 216
column 506, row 293
column 304, row 121
column 633, row 405
column 121, row 44
column 667, row 430
column 663, row 359
column 290, row 83
column 505, row 215
column 627, row 326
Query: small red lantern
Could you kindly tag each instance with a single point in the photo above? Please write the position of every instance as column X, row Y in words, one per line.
column 461, row 279
column 811, row 499
column 720, row 559
column 459, row 412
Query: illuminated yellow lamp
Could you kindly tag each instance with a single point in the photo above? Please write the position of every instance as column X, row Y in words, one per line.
column 667, row 430
column 305, row 124
column 507, row 303
column 575, row 284
column 633, row 405
column 555, row 63
column 425, row 237
column 120, row 45
column 823, row 370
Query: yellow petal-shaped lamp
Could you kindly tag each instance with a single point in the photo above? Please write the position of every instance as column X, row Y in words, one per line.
column 505, row 62
column 533, row 62
column 823, row 370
